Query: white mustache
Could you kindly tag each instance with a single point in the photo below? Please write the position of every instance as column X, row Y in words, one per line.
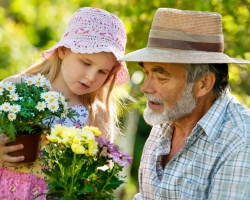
column 152, row 98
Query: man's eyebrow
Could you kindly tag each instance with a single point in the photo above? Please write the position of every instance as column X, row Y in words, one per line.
column 159, row 70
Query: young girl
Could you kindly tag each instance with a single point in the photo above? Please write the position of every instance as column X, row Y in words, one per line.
column 83, row 65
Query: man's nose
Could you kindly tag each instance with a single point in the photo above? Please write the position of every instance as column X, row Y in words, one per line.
column 147, row 86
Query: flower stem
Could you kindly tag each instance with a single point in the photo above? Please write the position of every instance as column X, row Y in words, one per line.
column 72, row 176
column 113, row 171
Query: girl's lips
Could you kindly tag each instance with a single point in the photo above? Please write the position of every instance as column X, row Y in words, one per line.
column 84, row 85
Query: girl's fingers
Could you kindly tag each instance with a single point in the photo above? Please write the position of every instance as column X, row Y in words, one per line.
column 10, row 161
column 5, row 158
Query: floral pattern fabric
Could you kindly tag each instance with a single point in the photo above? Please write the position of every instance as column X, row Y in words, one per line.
column 26, row 180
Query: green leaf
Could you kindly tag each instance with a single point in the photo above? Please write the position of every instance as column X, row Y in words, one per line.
column 68, row 198
column 114, row 185
column 54, row 184
column 86, row 188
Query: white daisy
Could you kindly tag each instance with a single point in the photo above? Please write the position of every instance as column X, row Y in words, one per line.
column 47, row 84
column 29, row 80
column 45, row 96
column 53, row 107
column 10, row 87
column 2, row 85
column 61, row 97
column 1, row 91
column 40, row 77
column 12, row 116
column 5, row 106
column 65, row 112
column 40, row 80
column 51, row 97
column 39, row 83
column 15, row 108
column 13, row 96
column 53, row 94
column 41, row 106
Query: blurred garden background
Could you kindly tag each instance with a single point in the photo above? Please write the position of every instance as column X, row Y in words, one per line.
column 27, row 27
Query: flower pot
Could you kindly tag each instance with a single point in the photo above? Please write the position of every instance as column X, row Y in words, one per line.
column 31, row 147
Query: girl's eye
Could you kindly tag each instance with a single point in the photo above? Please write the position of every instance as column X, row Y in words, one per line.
column 102, row 72
column 85, row 63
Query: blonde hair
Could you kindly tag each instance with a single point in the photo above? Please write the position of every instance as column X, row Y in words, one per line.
column 101, row 104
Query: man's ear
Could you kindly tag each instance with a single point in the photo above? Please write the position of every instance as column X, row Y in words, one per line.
column 205, row 84
column 62, row 52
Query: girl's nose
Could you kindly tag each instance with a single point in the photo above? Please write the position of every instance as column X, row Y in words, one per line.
column 90, row 75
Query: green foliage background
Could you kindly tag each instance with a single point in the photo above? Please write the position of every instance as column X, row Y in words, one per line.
column 29, row 26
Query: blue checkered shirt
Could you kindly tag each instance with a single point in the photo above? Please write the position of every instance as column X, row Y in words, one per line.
column 214, row 162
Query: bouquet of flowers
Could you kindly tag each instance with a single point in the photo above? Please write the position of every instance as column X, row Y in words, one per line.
column 28, row 106
column 79, row 164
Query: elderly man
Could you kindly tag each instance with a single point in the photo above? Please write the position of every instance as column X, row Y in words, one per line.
column 199, row 146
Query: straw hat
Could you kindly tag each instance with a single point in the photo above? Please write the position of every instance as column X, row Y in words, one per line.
column 178, row 36
column 93, row 30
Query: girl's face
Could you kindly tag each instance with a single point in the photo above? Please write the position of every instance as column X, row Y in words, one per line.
column 85, row 73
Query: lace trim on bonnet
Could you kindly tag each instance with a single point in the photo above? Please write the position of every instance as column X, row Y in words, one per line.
column 92, row 30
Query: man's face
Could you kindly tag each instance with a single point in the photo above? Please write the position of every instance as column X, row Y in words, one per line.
column 169, row 98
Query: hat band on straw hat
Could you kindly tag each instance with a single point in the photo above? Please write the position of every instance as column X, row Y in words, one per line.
column 185, row 41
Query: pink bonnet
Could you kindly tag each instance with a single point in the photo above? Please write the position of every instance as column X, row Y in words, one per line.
column 93, row 30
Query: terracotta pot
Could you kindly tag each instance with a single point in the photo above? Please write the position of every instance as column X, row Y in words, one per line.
column 31, row 147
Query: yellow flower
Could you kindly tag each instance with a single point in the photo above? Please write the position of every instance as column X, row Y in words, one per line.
column 68, row 134
column 57, row 130
column 93, row 129
column 56, row 133
column 77, row 139
column 86, row 135
column 77, row 148
column 52, row 138
column 92, row 146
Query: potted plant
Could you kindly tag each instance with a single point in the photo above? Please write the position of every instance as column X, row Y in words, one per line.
column 28, row 109
column 79, row 164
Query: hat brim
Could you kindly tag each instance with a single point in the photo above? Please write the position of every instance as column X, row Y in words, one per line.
column 163, row 55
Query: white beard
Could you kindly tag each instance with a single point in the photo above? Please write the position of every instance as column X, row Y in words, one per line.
column 184, row 106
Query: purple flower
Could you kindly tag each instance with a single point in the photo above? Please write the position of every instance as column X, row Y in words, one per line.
column 122, row 159
column 104, row 142
column 77, row 124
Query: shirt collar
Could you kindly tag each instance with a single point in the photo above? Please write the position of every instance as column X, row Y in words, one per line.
column 212, row 121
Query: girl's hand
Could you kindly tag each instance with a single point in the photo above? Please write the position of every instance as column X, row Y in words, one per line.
column 5, row 158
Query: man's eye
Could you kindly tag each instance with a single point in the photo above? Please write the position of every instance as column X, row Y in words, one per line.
column 162, row 79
